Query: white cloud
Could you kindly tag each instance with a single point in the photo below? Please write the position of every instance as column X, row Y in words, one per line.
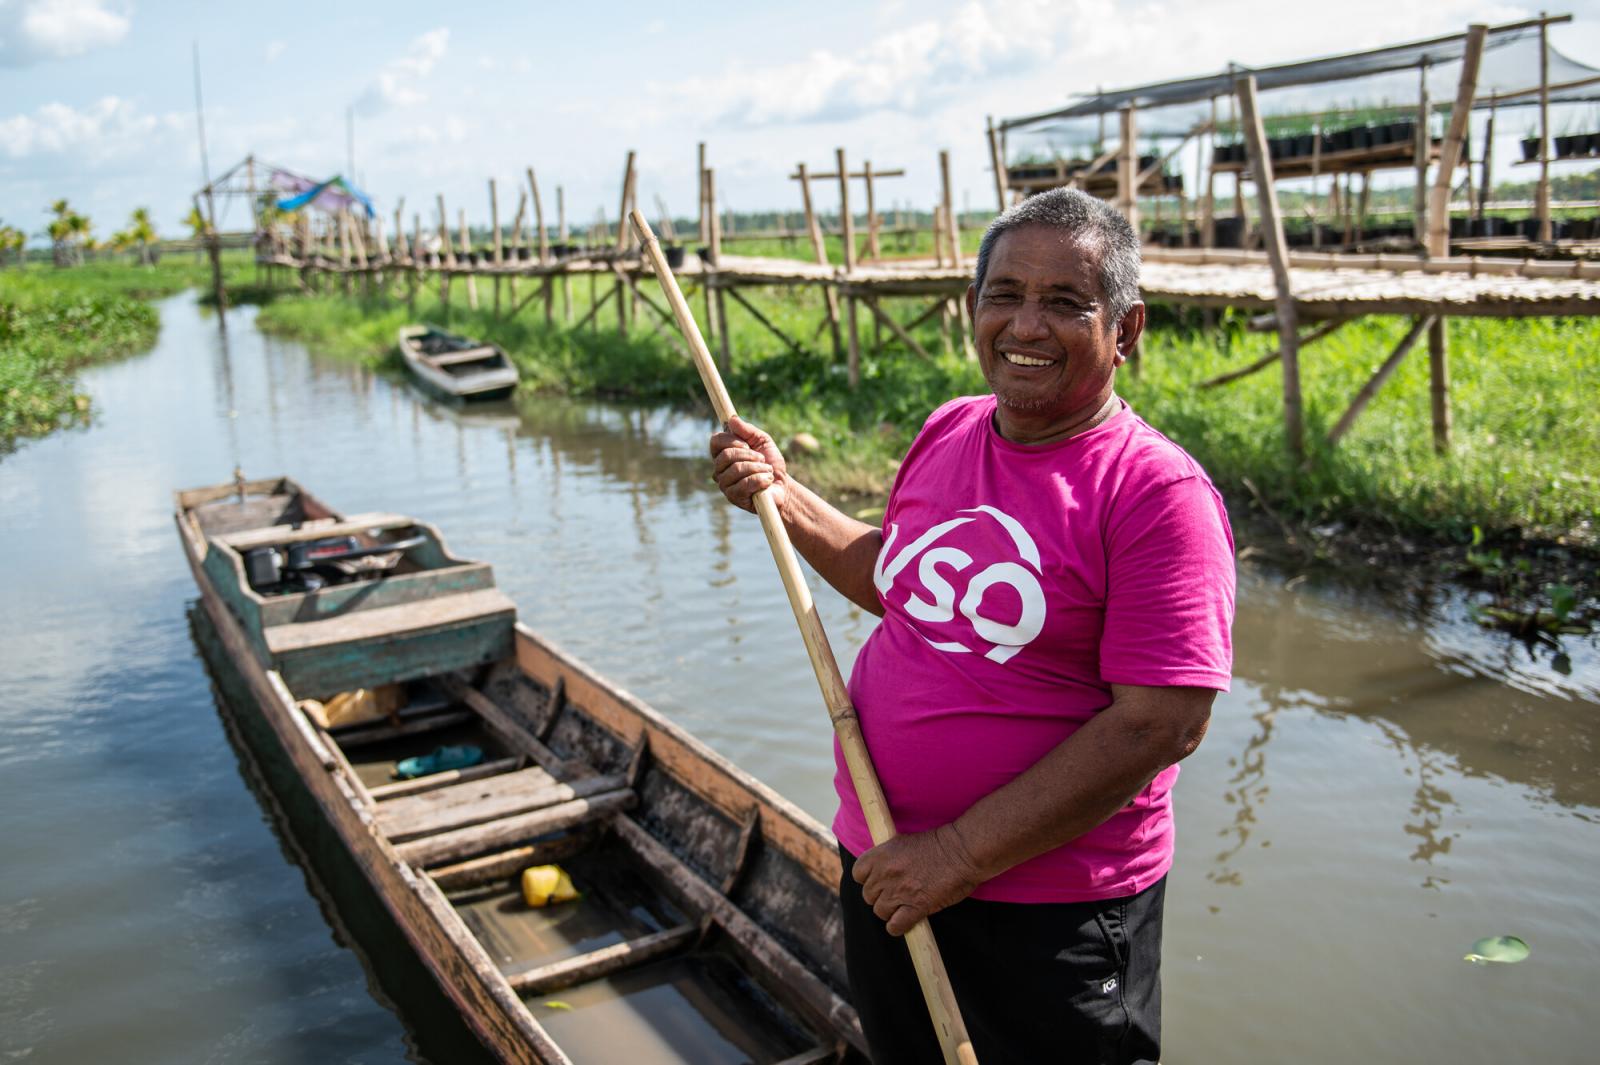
column 33, row 31
column 396, row 85
column 109, row 127
column 910, row 70
column 275, row 49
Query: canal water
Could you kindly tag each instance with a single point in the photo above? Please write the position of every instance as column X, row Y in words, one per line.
column 1385, row 784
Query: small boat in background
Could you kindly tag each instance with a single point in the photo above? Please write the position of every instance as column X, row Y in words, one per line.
column 457, row 367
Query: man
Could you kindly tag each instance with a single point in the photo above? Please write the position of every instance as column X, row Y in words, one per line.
column 1055, row 580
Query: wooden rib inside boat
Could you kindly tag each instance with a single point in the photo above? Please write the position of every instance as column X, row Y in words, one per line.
column 457, row 367
column 706, row 927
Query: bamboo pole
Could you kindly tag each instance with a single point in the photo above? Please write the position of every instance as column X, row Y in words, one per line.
column 716, row 300
column 627, row 194
column 538, row 217
column 1128, row 169
column 1424, row 148
column 1450, row 150
column 466, row 251
column 1278, row 257
column 997, row 162
column 561, row 235
column 1370, row 389
column 848, row 232
column 705, row 233
column 819, row 248
column 1486, row 182
column 873, row 251
column 1208, row 212
column 1542, row 196
column 1439, row 381
column 942, row 1007
column 499, row 247
column 952, row 223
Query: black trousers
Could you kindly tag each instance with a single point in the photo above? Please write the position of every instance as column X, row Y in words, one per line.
column 1061, row 983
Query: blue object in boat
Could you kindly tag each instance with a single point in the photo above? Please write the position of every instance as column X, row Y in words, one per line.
column 441, row 760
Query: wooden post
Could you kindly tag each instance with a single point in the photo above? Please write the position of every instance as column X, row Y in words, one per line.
column 416, row 264
column 466, row 251
column 848, row 232
column 1316, row 183
column 873, row 252
column 499, row 247
column 1439, row 381
column 952, row 223
column 716, row 299
column 998, row 163
column 705, row 232
column 1486, row 183
column 1278, row 257
column 1208, row 210
column 1424, row 148
column 1361, row 208
column 622, row 212
column 401, row 251
column 448, row 251
column 1542, row 197
column 819, row 248
column 538, row 219
column 1450, row 150
column 219, row 291
column 1128, row 169
column 561, row 235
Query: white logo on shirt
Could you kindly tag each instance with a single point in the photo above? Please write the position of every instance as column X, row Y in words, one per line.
column 941, row 606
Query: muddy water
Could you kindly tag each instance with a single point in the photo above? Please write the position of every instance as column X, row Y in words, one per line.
column 1384, row 785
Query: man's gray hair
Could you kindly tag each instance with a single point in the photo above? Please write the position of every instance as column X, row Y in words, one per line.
column 1074, row 211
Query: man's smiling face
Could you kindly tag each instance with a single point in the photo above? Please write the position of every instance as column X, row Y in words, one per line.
column 1047, row 342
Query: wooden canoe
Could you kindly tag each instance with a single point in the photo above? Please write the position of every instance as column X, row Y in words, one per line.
column 708, row 926
column 456, row 367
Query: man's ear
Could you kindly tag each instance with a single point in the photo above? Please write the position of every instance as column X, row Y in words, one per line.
column 1129, row 330
column 972, row 301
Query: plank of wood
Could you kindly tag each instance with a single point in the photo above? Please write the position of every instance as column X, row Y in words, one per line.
column 453, row 358
column 390, row 620
column 418, row 785
column 502, row 864
column 603, row 962
column 383, row 731
column 475, row 839
column 351, row 526
column 477, row 802
column 515, row 735
column 786, row 976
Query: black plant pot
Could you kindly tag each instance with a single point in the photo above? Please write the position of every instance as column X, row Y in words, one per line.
column 1305, row 145
column 674, row 254
column 1460, row 227
column 1530, row 149
column 1227, row 231
column 1565, row 146
column 1363, row 137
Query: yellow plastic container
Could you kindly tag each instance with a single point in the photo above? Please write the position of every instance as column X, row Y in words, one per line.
column 543, row 885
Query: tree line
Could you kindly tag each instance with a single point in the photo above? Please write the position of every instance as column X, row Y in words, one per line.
column 71, row 236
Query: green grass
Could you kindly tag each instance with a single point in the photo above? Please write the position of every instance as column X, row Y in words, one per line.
column 54, row 321
column 1526, row 429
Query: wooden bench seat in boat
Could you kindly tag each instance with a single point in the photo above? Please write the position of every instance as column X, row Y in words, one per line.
column 452, row 358
column 389, row 644
column 314, row 530
column 477, row 801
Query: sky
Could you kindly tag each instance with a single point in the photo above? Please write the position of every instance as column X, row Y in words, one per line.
column 97, row 96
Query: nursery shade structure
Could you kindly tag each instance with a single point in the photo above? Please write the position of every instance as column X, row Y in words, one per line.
column 1379, row 78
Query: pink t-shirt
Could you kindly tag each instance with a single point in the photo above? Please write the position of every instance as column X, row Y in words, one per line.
column 1019, row 583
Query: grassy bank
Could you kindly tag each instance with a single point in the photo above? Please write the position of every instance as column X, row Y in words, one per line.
column 52, row 322
column 1526, row 432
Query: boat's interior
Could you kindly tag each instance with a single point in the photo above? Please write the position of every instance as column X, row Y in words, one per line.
column 456, row 355
column 664, row 956
column 705, row 925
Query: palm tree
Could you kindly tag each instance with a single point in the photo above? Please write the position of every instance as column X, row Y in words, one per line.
column 141, row 232
column 69, row 231
column 197, row 228
column 12, row 239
